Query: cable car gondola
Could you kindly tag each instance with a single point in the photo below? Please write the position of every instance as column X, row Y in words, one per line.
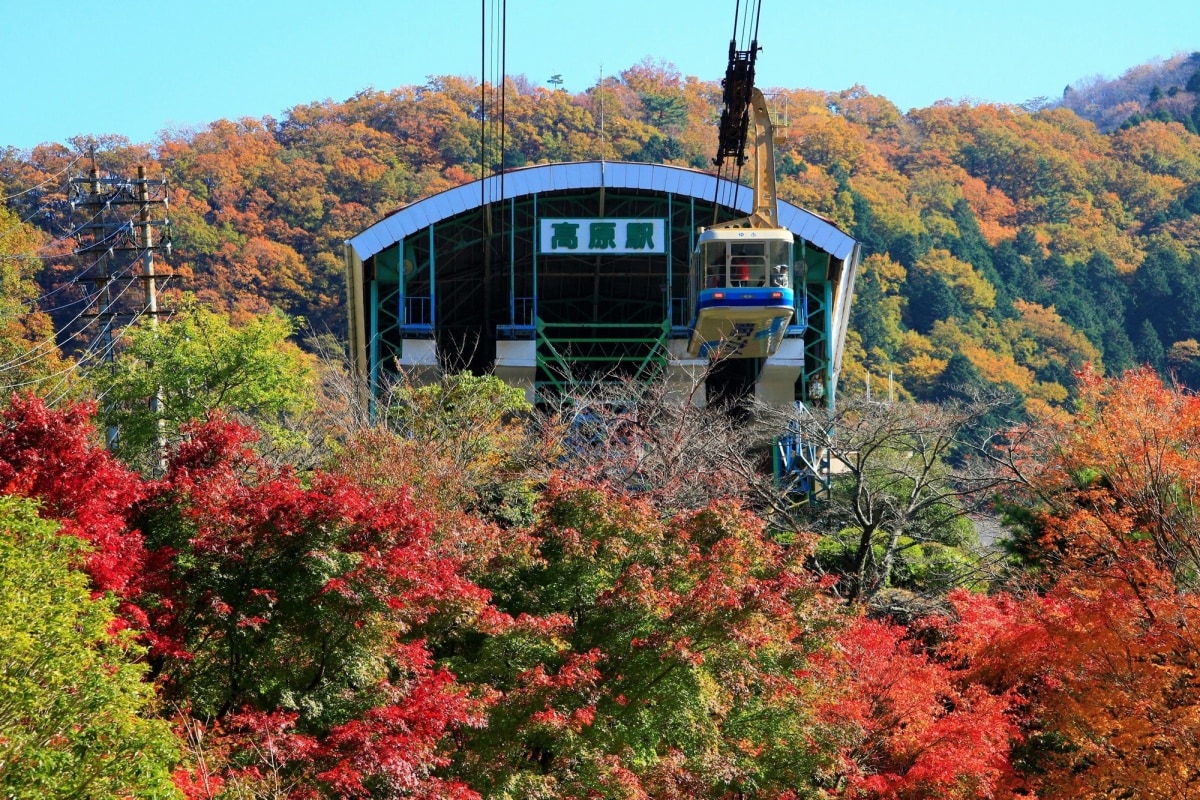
column 740, row 290
column 741, row 282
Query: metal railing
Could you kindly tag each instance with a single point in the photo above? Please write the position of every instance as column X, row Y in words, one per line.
column 418, row 315
column 802, row 467
column 522, row 325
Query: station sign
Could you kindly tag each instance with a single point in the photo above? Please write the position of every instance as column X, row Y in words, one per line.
column 613, row 236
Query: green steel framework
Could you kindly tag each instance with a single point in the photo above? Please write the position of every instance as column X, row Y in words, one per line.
column 476, row 278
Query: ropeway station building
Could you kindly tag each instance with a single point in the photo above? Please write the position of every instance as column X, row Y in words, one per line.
column 570, row 273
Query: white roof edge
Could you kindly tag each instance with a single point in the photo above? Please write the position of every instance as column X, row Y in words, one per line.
column 578, row 175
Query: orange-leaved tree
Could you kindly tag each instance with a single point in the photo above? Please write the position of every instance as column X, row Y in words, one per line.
column 911, row 724
column 1106, row 647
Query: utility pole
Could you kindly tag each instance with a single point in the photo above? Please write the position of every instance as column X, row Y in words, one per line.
column 119, row 216
column 146, row 229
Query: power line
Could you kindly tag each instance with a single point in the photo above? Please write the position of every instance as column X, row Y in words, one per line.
column 115, row 239
column 21, row 223
column 50, row 343
column 73, row 233
column 62, row 171
column 123, row 247
column 89, row 353
column 54, row 396
column 42, row 348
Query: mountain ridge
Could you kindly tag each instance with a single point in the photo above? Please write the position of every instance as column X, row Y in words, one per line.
column 1005, row 246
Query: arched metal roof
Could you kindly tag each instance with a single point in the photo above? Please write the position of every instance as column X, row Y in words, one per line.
column 588, row 175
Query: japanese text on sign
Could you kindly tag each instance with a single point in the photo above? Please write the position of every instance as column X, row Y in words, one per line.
column 614, row 236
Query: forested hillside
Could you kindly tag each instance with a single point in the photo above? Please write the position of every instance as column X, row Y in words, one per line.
column 1164, row 90
column 1002, row 245
column 225, row 575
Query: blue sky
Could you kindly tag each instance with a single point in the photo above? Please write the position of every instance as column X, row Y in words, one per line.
column 136, row 67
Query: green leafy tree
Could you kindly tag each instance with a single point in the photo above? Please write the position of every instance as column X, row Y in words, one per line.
column 971, row 247
column 463, row 414
column 1149, row 346
column 197, row 362
column 930, row 298
column 649, row 658
column 958, row 381
column 74, row 711
column 1166, row 291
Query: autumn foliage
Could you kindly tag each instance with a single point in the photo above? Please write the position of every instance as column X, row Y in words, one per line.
column 1107, row 648
column 1027, row 240
column 914, row 725
column 53, row 456
column 454, row 606
column 299, row 609
column 650, row 657
column 309, row 636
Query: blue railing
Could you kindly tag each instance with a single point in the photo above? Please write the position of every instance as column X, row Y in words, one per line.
column 522, row 326
column 801, row 467
column 418, row 315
